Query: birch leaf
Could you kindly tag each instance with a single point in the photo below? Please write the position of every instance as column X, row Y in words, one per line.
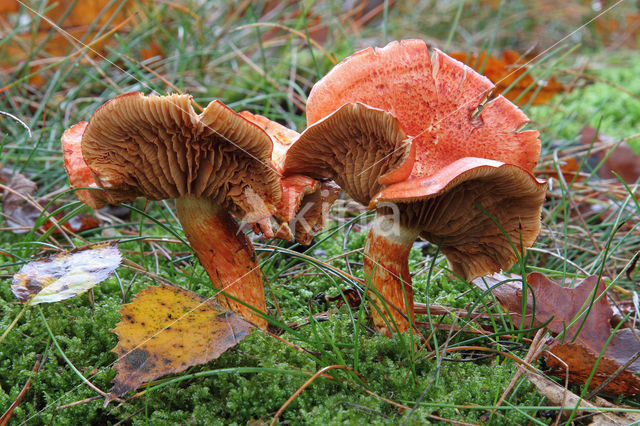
column 168, row 329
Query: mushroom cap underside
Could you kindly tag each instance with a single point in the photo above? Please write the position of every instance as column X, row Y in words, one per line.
column 359, row 147
column 481, row 212
column 440, row 102
column 157, row 147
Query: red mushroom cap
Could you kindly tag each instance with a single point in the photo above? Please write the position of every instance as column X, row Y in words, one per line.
column 439, row 101
column 79, row 173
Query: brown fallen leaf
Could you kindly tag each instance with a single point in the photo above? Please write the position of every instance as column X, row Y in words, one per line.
column 579, row 362
column 168, row 329
column 504, row 72
column 558, row 304
column 69, row 13
column 65, row 274
column 9, row 6
column 564, row 304
column 568, row 168
column 73, row 18
column 351, row 295
column 624, row 345
column 18, row 213
column 617, row 32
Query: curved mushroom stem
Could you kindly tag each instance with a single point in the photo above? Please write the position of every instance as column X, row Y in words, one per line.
column 226, row 254
column 386, row 263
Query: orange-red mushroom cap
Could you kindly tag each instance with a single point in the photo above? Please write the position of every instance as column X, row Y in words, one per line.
column 80, row 175
column 439, row 101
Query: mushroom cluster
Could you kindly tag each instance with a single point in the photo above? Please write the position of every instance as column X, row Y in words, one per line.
column 415, row 135
column 217, row 165
column 449, row 164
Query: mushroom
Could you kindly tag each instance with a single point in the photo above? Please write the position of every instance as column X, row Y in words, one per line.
column 214, row 164
column 360, row 147
column 482, row 213
column 79, row 173
column 469, row 190
column 305, row 201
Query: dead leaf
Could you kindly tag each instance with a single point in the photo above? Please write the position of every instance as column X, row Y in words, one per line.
column 60, row 42
column 84, row 13
column 558, row 304
column 168, row 329
column 351, row 295
column 564, row 304
column 568, row 167
column 78, row 223
column 65, row 274
column 617, row 32
column 9, row 6
column 504, row 72
column 624, row 345
column 579, row 361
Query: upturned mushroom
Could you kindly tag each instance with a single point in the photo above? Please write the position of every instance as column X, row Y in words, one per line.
column 470, row 189
column 305, row 201
column 215, row 165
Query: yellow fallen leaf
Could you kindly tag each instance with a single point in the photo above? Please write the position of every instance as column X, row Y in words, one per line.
column 168, row 329
column 66, row 274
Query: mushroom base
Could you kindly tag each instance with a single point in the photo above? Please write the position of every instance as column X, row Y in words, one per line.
column 386, row 264
column 226, row 254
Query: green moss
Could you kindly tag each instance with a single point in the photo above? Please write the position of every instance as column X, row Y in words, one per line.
column 237, row 397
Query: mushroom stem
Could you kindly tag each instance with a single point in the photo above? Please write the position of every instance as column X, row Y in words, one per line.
column 386, row 264
column 226, row 254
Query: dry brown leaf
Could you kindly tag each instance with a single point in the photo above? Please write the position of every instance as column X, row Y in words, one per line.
column 65, row 274
column 618, row 31
column 60, row 42
column 579, row 362
column 9, row 6
column 84, row 13
column 624, row 345
column 167, row 329
column 564, row 304
column 503, row 72
column 351, row 295
column 17, row 212
column 568, row 167
column 558, row 304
